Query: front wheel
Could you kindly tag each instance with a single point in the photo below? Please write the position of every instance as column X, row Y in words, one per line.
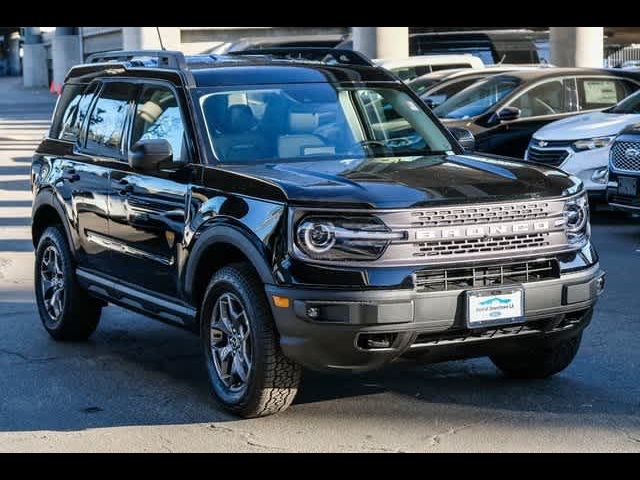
column 248, row 372
column 540, row 362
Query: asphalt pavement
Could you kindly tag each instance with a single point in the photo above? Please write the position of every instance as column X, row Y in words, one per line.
column 140, row 386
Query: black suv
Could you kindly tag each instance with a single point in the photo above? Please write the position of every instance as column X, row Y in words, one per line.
column 300, row 208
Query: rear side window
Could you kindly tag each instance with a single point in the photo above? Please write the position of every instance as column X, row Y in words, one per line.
column 106, row 124
column 71, row 112
column 596, row 93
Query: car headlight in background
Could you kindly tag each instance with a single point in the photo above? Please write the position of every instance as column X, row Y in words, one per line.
column 344, row 237
column 576, row 215
column 591, row 143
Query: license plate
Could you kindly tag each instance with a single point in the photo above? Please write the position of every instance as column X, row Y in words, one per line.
column 495, row 307
column 627, row 186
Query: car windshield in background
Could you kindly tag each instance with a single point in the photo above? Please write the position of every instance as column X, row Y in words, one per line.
column 630, row 104
column 478, row 98
column 317, row 121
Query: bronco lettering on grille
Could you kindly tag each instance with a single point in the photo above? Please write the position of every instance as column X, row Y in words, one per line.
column 482, row 231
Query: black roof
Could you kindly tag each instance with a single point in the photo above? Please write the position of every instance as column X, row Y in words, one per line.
column 550, row 72
column 298, row 65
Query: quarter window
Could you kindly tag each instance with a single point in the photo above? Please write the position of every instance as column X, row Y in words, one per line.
column 106, row 124
column 596, row 93
column 158, row 116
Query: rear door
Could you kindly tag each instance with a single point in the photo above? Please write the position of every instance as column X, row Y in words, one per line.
column 83, row 179
column 147, row 210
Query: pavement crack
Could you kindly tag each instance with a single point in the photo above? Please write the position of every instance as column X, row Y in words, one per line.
column 435, row 440
column 25, row 357
column 247, row 438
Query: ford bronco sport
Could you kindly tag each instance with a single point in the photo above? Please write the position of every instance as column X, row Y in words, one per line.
column 300, row 209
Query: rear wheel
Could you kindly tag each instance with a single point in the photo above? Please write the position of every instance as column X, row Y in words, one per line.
column 67, row 312
column 540, row 362
column 249, row 374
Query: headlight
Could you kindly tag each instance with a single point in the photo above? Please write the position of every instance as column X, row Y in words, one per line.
column 344, row 237
column 592, row 143
column 576, row 214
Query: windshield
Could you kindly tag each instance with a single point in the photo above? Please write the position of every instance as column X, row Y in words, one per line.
column 320, row 121
column 478, row 98
column 630, row 104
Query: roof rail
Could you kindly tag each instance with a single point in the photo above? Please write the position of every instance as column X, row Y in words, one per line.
column 164, row 58
column 314, row 54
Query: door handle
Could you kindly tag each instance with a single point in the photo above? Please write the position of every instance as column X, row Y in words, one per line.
column 125, row 187
column 70, row 175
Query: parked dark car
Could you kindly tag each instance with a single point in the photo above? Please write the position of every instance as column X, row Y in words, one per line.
column 300, row 213
column 504, row 111
column 491, row 46
column 623, row 190
column 435, row 88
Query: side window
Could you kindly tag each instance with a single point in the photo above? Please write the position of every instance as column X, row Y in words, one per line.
column 71, row 111
column 158, row 116
column 548, row 98
column 106, row 124
column 596, row 93
column 439, row 95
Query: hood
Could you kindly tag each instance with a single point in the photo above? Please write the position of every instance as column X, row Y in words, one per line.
column 404, row 182
column 589, row 125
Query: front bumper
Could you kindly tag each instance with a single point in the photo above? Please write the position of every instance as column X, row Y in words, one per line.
column 352, row 323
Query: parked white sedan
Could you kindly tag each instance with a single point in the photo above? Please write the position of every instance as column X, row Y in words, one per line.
column 580, row 145
column 413, row 67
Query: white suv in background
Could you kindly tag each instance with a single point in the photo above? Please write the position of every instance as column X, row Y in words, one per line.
column 580, row 145
column 413, row 67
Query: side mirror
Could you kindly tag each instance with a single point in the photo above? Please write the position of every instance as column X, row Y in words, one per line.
column 508, row 114
column 151, row 155
column 465, row 138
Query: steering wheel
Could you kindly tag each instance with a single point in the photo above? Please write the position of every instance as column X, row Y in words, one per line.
column 549, row 109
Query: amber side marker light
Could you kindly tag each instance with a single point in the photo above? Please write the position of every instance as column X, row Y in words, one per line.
column 280, row 302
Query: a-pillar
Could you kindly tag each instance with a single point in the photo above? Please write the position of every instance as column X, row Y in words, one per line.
column 382, row 42
column 35, row 72
column 577, row 46
column 147, row 38
column 65, row 53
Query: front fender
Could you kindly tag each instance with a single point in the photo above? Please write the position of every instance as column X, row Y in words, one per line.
column 230, row 234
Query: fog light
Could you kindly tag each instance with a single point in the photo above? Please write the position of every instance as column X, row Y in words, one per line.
column 313, row 312
column 600, row 282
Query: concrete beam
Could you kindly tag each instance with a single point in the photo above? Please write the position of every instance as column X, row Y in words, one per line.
column 382, row 42
column 12, row 49
column 65, row 53
column 577, row 46
column 146, row 38
column 35, row 73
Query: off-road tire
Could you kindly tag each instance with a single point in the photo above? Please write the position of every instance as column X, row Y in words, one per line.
column 80, row 313
column 273, row 379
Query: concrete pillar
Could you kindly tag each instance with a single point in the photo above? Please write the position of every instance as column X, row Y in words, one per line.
column 577, row 46
column 382, row 42
column 65, row 53
column 12, row 50
column 146, row 38
column 34, row 61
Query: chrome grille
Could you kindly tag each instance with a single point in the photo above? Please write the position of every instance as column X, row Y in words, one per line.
column 548, row 157
column 482, row 245
column 622, row 159
column 483, row 214
column 462, row 278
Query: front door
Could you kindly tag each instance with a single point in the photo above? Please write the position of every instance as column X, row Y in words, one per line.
column 542, row 104
column 147, row 210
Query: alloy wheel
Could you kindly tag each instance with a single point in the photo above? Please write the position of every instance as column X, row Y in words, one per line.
column 52, row 282
column 230, row 340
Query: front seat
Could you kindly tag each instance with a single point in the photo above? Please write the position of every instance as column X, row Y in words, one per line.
column 300, row 140
column 240, row 141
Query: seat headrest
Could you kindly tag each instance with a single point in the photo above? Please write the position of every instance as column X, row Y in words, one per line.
column 302, row 122
column 239, row 119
